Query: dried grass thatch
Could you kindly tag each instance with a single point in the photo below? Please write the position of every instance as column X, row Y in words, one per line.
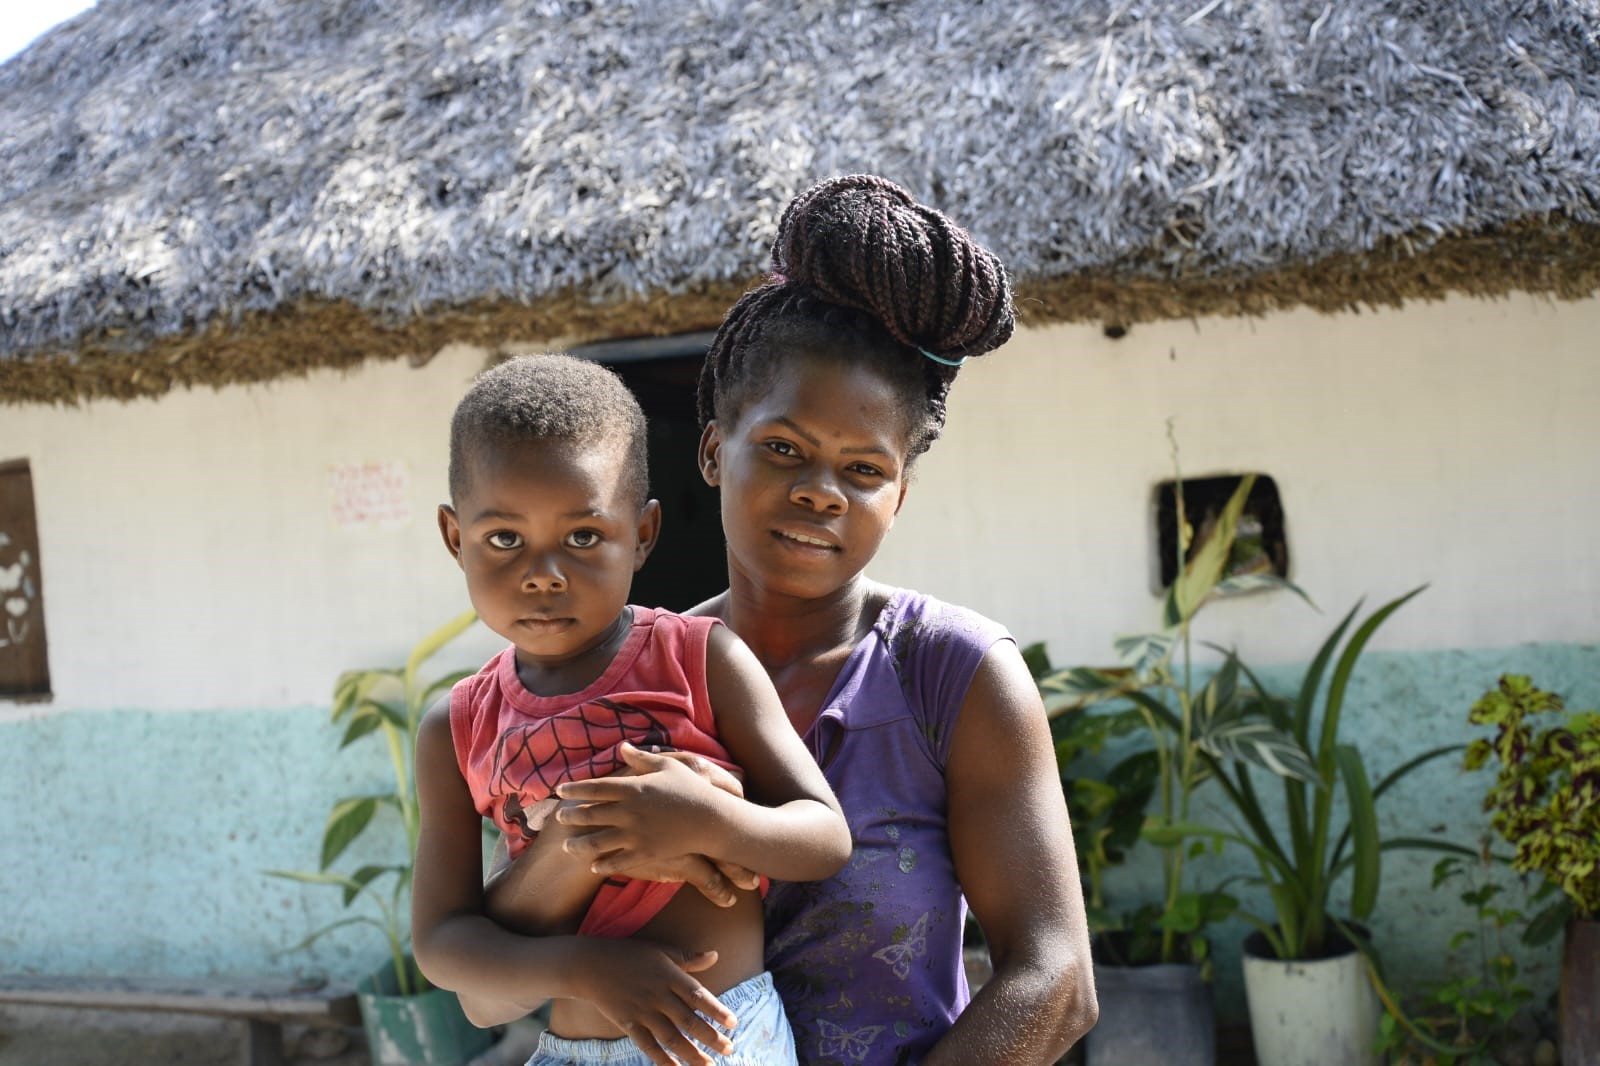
column 205, row 191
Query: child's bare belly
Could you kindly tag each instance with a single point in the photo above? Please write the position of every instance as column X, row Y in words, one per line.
column 693, row 923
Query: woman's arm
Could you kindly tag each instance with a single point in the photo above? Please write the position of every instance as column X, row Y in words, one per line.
column 1006, row 815
column 646, row 990
column 791, row 828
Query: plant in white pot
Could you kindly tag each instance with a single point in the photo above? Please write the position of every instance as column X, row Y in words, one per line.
column 1153, row 965
column 1307, row 984
column 407, row 1021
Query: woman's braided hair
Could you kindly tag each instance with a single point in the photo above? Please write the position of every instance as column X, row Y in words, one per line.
column 862, row 272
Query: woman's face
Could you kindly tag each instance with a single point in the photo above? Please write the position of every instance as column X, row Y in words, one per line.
column 812, row 474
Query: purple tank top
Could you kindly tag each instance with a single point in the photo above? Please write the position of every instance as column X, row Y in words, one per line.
column 868, row 962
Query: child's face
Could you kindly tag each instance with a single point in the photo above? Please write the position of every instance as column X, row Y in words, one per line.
column 549, row 539
column 811, row 474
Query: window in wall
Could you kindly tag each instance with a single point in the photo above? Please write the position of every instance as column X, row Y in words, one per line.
column 1259, row 547
column 24, row 667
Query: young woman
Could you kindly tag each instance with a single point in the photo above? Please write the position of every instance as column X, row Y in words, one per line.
column 820, row 391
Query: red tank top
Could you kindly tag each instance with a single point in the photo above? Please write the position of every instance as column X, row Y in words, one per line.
column 514, row 747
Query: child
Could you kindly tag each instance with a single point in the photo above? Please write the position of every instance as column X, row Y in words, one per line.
column 549, row 519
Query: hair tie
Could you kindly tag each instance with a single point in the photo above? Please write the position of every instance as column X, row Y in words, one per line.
column 942, row 359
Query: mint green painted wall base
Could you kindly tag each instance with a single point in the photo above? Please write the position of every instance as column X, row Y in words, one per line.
column 1398, row 705
column 133, row 842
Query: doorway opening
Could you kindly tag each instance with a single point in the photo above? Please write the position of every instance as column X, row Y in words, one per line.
column 690, row 562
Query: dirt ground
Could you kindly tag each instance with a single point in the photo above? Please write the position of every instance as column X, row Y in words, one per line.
column 54, row 1036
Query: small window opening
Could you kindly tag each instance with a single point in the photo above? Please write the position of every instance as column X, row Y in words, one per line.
column 1259, row 546
column 24, row 666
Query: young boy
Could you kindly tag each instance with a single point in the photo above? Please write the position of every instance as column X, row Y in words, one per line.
column 549, row 519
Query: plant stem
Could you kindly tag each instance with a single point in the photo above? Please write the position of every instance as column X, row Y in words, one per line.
column 408, row 813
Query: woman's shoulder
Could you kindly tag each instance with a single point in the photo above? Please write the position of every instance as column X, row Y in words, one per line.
column 911, row 618
column 715, row 607
column 933, row 649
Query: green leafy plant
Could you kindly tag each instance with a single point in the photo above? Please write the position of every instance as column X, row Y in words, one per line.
column 1545, row 800
column 385, row 703
column 1465, row 1020
column 1300, row 860
column 1195, row 730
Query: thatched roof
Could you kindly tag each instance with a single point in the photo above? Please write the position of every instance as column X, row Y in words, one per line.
column 217, row 190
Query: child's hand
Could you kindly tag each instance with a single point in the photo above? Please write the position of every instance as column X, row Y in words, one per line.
column 646, row 990
column 642, row 819
column 730, row 781
column 717, row 881
column 714, row 878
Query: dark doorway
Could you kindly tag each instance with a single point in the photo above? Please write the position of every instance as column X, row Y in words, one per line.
column 690, row 562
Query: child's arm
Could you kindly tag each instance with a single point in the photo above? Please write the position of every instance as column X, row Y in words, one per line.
column 647, row 990
column 792, row 830
column 545, row 891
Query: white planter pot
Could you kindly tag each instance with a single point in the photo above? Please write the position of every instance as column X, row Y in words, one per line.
column 1310, row 1012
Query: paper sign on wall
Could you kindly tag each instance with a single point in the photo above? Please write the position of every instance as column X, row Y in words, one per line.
column 370, row 495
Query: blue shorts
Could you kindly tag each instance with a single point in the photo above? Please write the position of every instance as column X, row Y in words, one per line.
column 762, row 1037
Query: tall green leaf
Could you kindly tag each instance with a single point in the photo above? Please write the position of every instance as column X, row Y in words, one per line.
column 1388, row 781
column 1144, row 653
column 1243, row 583
column 369, row 715
column 345, row 822
column 1363, row 830
column 1307, row 698
column 1199, row 578
column 425, row 650
column 442, row 685
column 1347, row 664
column 1257, row 743
column 365, row 876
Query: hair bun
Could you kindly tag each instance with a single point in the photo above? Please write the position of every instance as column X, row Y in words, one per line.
column 864, row 242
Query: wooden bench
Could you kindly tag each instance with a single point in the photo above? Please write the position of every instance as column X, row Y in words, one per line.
column 263, row 1005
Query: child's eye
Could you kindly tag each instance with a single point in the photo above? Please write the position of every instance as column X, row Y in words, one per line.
column 505, row 540
column 781, row 447
column 583, row 538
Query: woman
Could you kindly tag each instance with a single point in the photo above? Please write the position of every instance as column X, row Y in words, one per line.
column 819, row 392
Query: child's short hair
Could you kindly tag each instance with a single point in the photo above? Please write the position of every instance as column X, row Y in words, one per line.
column 531, row 398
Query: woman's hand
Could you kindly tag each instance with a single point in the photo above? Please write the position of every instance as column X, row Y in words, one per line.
column 647, row 991
column 648, row 817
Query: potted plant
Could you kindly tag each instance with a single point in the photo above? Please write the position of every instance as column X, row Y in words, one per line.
column 407, row 1021
column 1471, row 1015
column 1306, row 971
column 1545, row 802
column 1156, row 957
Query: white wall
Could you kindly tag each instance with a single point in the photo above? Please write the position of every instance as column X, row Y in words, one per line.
column 190, row 554
column 1456, row 443
column 191, row 558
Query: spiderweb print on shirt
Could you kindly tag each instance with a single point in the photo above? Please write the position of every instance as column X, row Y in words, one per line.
column 574, row 745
